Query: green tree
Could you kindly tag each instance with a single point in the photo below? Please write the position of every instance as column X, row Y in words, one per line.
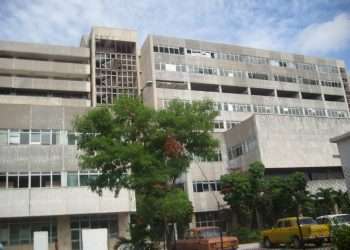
column 139, row 148
column 245, row 191
column 264, row 198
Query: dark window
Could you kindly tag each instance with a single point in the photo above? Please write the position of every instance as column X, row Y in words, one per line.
column 23, row 181
column 35, row 181
column 45, row 180
column 182, row 51
column 155, row 48
column 13, row 181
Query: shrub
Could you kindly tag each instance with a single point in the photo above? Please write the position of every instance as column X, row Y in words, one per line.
column 246, row 235
column 341, row 237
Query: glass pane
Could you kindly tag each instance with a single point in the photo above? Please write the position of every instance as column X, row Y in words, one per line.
column 24, row 137
column 56, row 179
column 23, row 181
column 14, row 137
column 45, row 180
column 35, row 136
column 4, row 234
column 72, row 180
column 35, row 181
column 2, row 180
column 14, row 234
column 13, row 181
column 55, row 137
column 45, row 138
column 3, row 137
column 71, row 139
column 24, row 234
column 84, row 180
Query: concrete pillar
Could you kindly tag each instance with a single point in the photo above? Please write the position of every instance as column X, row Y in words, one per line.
column 123, row 225
column 63, row 233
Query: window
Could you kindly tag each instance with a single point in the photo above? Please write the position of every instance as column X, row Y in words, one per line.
column 35, row 136
column 219, row 124
column 2, row 180
column 71, row 139
column 14, row 136
column 35, row 180
column 46, row 179
column 3, row 136
column 110, row 222
column 56, row 179
column 205, row 219
column 45, row 137
column 23, row 180
column 12, row 180
column 72, row 179
column 24, row 136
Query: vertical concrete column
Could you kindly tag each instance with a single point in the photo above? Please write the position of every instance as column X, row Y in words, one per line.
column 123, row 225
column 220, row 88
column 63, row 233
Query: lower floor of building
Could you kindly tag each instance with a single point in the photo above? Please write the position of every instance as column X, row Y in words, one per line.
column 64, row 232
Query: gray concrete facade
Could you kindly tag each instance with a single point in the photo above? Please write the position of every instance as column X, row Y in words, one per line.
column 43, row 88
column 276, row 107
column 299, row 102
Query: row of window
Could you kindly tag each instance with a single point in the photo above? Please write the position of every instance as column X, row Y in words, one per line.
column 206, row 186
column 241, row 75
column 37, row 136
column 22, row 231
column 244, row 58
column 207, row 219
column 266, row 109
column 242, row 148
column 46, row 179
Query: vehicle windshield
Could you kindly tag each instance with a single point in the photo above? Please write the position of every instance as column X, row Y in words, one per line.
column 307, row 221
column 342, row 218
column 210, row 233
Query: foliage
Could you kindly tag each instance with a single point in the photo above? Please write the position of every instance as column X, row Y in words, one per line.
column 246, row 235
column 265, row 198
column 341, row 238
column 244, row 191
column 139, row 148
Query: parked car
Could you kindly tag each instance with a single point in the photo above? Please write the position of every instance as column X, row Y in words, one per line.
column 286, row 231
column 334, row 220
column 206, row 238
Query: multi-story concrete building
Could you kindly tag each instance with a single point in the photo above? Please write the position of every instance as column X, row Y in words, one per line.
column 42, row 89
column 275, row 107
column 298, row 103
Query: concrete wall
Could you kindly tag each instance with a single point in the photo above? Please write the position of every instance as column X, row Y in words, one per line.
column 344, row 150
column 38, row 116
column 286, row 141
column 63, row 201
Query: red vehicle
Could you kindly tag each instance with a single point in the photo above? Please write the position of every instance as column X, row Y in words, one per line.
column 206, row 238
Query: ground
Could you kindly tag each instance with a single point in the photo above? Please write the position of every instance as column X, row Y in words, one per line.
column 256, row 246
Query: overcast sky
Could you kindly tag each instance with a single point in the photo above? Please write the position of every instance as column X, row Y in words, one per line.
column 312, row 27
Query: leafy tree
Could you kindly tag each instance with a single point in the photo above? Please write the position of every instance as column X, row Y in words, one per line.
column 265, row 198
column 139, row 148
column 245, row 191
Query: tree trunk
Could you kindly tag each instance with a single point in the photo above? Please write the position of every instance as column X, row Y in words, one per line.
column 336, row 208
column 258, row 219
column 234, row 219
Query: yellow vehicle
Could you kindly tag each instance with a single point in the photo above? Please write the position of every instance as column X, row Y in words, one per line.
column 286, row 231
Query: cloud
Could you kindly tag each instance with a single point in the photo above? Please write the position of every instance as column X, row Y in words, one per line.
column 294, row 26
column 325, row 37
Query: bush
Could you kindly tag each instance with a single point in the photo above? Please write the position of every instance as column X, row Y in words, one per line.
column 246, row 235
column 341, row 237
